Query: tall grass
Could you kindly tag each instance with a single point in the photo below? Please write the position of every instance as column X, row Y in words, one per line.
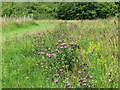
column 72, row 55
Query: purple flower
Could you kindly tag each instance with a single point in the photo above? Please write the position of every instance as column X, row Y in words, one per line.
column 110, row 74
column 61, row 70
column 63, row 44
column 84, row 84
column 48, row 48
column 72, row 49
column 110, row 80
column 84, row 81
column 68, row 75
column 57, row 50
column 80, row 53
column 84, row 63
column 41, row 53
column 56, row 43
column 88, row 86
column 91, row 76
column 84, row 69
column 80, row 72
column 69, row 84
column 63, row 47
column 66, row 82
column 59, row 40
column 39, row 33
column 80, row 79
column 72, row 43
column 50, row 55
column 57, row 74
column 81, row 83
column 52, row 51
column 56, row 81
column 74, row 77
column 33, row 51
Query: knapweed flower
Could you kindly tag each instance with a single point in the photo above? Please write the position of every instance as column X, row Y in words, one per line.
column 71, row 49
column 110, row 74
column 91, row 76
column 80, row 79
column 68, row 75
column 48, row 48
column 61, row 70
column 84, row 69
column 39, row 33
column 84, row 63
column 88, row 86
column 63, row 44
column 56, row 43
column 69, row 84
column 84, row 81
column 79, row 72
column 52, row 51
column 56, row 81
column 84, row 84
column 50, row 55
column 59, row 40
column 72, row 43
column 81, row 83
column 57, row 50
column 66, row 83
column 33, row 51
column 41, row 53
column 57, row 74
column 110, row 80
column 74, row 77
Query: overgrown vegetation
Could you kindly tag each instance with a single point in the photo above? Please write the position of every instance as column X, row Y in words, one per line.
column 63, row 10
column 72, row 55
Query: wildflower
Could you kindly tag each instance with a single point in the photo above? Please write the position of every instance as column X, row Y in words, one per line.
column 110, row 74
column 48, row 48
column 88, row 86
column 80, row 79
column 69, row 84
column 57, row 50
column 81, row 83
column 110, row 80
column 59, row 40
column 80, row 53
column 84, row 84
column 72, row 43
column 61, row 70
column 63, row 44
column 80, row 72
column 68, row 75
column 33, row 51
column 84, row 81
column 84, row 63
column 56, row 43
column 39, row 33
column 56, row 81
column 72, row 49
column 57, row 74
column 41, row 53
column 74, row 77
column 50, row 55
column 91, row 76
column 84, row 69
column 52, row 51
column 66, row 82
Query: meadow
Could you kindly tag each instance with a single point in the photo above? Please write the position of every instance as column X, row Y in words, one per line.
column 81, row 54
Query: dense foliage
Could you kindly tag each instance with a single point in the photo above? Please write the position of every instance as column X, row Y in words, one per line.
column 57, row 10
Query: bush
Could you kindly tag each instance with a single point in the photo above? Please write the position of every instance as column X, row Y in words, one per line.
column 86, row 10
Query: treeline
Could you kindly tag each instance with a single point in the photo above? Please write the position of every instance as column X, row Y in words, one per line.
column 60, row 10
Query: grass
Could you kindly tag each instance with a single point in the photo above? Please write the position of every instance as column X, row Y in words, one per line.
column 96, row 44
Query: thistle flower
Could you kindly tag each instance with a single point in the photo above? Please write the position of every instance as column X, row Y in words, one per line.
column 56, row 43
column 59, row 40
column 110, row 80
column 81, row 83
column 56, row 81
column 57, row 74
column 69, row 84
column 63, row 44
column 110, row 74
column 41, row 53
column 91, row 77
column 79, row 72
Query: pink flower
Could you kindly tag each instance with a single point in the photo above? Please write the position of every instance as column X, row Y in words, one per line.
column 84, row 84
column 66, row 82
column 61, row 70
column 84, row 81
column 80, row 72
column 72, row 43
column 74, row 77
column 69, row 84
column 91, row 76
column 63, row 44
column 56, row 81
column 57, row 74
column 59, row 40
column 81, row 83
column 41, row 53
column 56, row 43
